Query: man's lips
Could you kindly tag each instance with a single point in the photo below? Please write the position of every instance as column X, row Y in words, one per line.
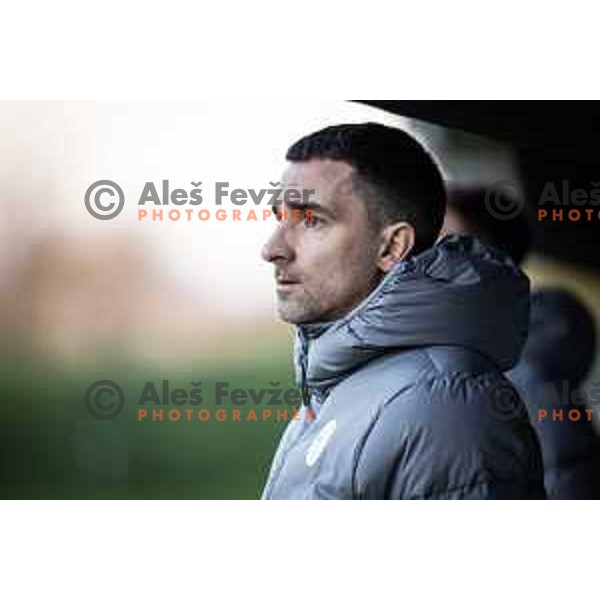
column 286, row 281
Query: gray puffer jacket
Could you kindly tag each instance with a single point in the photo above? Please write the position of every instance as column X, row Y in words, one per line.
column 408, row 392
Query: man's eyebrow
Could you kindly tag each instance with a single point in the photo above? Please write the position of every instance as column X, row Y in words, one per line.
column 309, row 205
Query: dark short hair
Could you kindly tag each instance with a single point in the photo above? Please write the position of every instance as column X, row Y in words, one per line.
column 394, row 174
column 512, row 236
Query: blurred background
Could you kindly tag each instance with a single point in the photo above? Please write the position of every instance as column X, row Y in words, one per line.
column 86, row 300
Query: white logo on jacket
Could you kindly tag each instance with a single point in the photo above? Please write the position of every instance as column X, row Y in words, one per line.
column 316, row 448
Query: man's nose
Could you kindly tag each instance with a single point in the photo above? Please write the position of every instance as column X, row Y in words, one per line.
column 277, row 247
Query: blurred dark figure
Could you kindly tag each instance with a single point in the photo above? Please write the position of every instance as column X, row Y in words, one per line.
column 557, row 357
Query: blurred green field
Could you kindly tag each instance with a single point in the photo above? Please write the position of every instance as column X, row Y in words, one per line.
column 51, row 447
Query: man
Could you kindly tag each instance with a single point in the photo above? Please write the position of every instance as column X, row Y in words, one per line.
column 400, row 345
column 556, row 359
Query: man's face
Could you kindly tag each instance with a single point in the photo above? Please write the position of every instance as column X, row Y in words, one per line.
column 326, row 266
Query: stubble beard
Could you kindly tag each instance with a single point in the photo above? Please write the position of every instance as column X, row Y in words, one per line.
column 297, row 310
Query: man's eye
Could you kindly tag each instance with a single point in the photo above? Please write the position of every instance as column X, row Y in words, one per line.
column 311, row 222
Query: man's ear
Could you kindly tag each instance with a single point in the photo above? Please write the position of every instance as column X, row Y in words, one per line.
column 398, row 240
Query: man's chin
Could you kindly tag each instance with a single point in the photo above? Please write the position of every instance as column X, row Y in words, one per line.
column 290, row 318
column 295, row 315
